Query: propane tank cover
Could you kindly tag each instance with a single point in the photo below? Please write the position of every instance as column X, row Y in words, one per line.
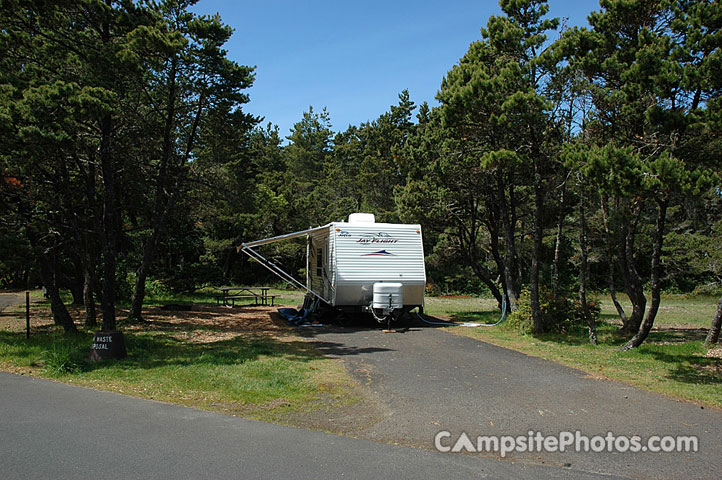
column 388, row 296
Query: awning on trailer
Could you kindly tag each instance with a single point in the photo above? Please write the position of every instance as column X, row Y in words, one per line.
column 287, row 236
column 247, row 248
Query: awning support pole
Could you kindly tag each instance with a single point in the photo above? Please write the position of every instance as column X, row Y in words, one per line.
column 278, row 271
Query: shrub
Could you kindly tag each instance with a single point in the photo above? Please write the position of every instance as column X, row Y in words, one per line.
column 520, row 320
column 707, row 289
column 153, row 288
column 60, row 359
column 559, row 314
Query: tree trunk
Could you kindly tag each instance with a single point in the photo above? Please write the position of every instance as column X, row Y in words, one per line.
column 483, row 275
column 584, row 271
column 613, row 295
column 228, row 261
column 61, row 316
column 714, row 329
column 141, row 274
column 111, row 205
column 136, row 303
column 493, row 226
column 85, row 245
column 111, row 222
column 536, row 313
column 632, row 280
column 164, row 201
column 88, row 263
column 511, row 264
column 468, row 237
column 161, row 209
column 558, row 242
column 76, row 290
column 612, row 264
column 88, row 299
column 48, row 267
column 646, row 327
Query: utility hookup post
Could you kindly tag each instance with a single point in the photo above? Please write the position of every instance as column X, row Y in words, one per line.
column 27, row 314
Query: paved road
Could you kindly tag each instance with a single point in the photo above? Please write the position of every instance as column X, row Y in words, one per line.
column 8, row 299
column 427, row 380
column 56, row 431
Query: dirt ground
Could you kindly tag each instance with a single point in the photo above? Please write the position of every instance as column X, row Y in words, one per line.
column 209, row 323
column 202, row 324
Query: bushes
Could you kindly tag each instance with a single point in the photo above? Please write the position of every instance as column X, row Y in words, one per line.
column 559, row 314
column 520, row 321
column 153, row 288
column 707, row 289
column 62, row 358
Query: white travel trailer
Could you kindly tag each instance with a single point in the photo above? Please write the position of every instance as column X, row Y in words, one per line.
column 359, row 265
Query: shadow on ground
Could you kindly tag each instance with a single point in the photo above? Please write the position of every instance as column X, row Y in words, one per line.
column 208, row 336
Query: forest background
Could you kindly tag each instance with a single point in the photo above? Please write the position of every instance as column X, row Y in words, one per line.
column 559, row 160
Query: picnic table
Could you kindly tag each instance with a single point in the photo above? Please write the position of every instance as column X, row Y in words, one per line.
column 260, row 295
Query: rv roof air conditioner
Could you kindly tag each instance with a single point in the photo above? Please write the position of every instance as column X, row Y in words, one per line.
column 361, row 218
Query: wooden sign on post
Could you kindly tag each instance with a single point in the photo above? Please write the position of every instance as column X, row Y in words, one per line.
column 108, row 345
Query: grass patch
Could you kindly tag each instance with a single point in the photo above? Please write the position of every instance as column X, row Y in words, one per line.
column 675, row 310
column 671, row 362
column 207, row 296
column 61, row 358
column 458, row 305
column 202, row 296
column 235, row 361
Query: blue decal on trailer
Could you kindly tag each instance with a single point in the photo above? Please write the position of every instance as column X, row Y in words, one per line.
column 380, row 253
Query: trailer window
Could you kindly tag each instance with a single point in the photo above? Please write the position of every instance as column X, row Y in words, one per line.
column 319, row 262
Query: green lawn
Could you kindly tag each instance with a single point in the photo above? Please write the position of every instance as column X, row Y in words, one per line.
column 264, row 372
column 208, row 296
column 275, row 375
column 458, row 305
column 674, row 311
column 673, row 361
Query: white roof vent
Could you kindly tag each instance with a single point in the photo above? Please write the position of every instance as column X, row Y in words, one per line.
column 361, row 218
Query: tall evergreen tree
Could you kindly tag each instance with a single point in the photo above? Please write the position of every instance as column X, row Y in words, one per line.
column 494, row 103
column 192, row 87
column 647, row 82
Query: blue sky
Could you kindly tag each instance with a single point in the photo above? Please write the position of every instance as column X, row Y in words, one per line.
column 354, row 58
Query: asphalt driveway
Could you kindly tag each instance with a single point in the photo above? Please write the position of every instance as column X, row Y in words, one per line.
column 8, row 299
column 49, row 430
column 427, row 380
